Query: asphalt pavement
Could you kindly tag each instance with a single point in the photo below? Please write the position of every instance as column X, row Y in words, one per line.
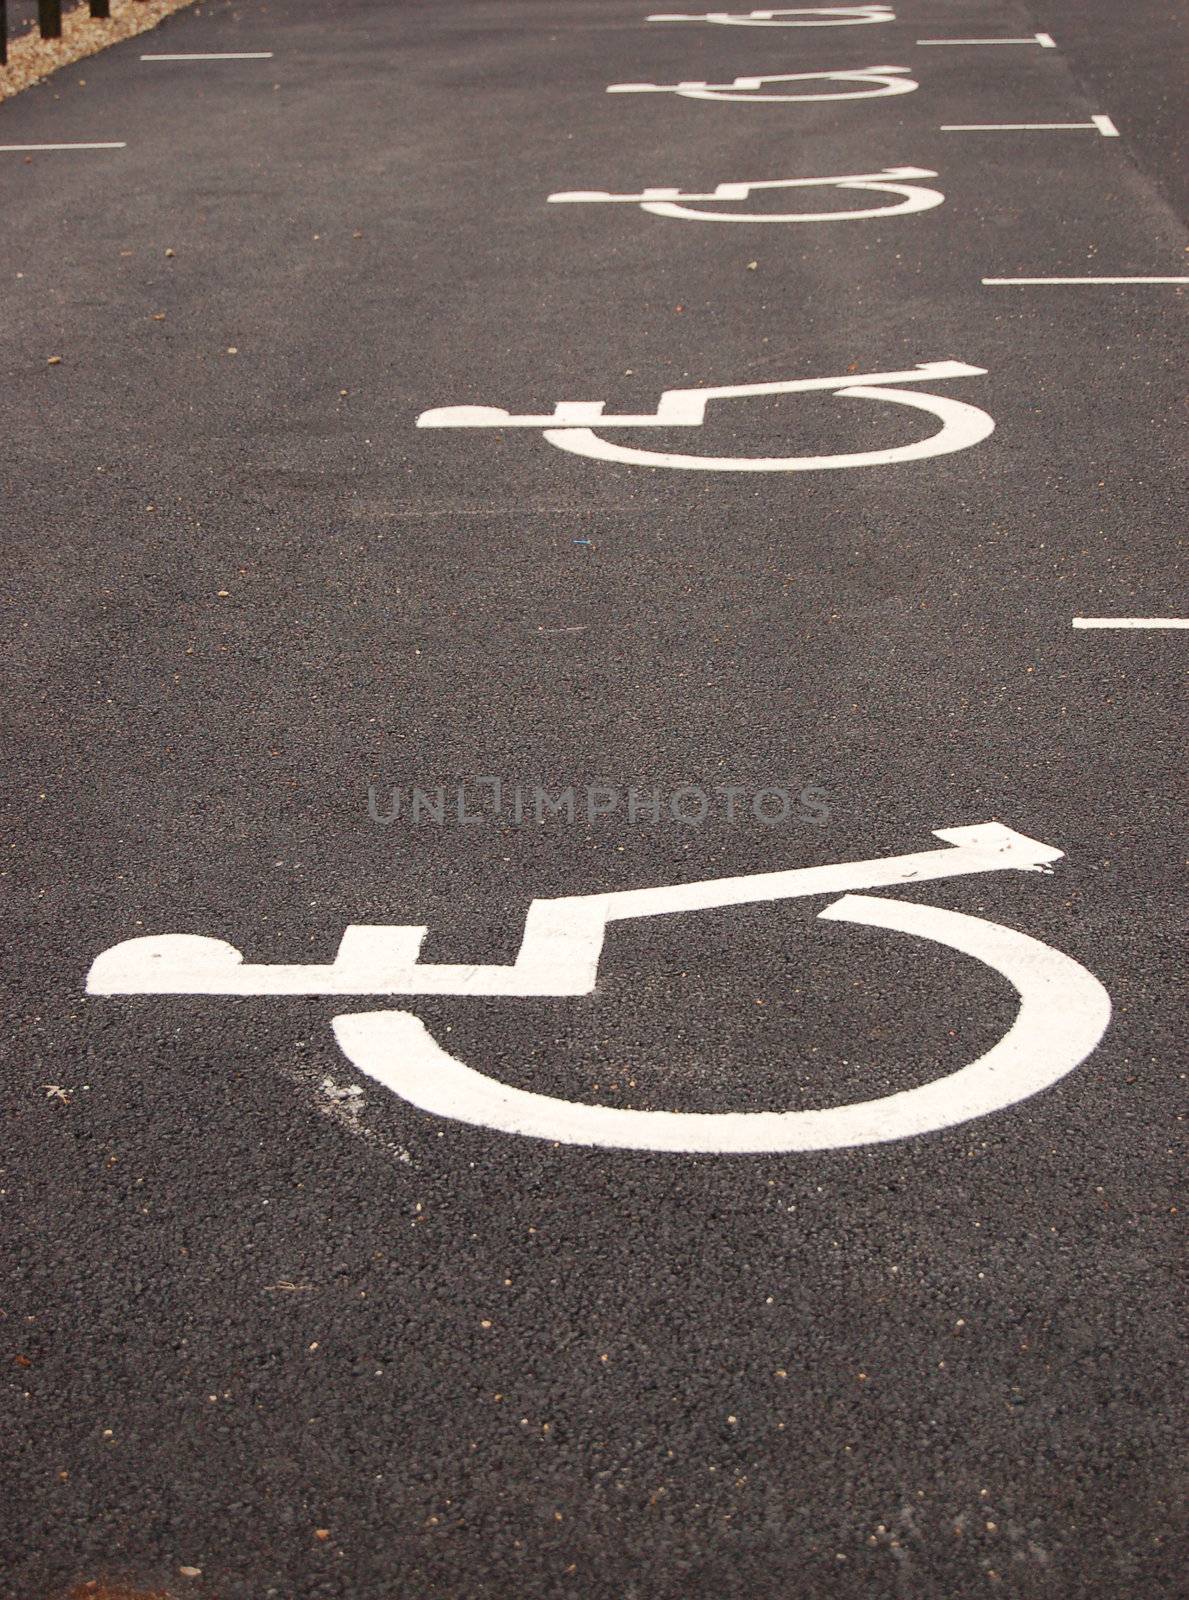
column 295, row 1314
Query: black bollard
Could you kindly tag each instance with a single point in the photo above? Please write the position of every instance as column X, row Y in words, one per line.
column 49, row 18
column 101, row 8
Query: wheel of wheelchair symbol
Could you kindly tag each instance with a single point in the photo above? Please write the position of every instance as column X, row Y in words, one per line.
column 1063, row 1013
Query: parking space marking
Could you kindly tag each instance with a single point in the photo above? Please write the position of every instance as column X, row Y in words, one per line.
column 113, row 145
column 214, row 55
column 1044, row 40
column 666, row 202
column 1131, row 622
column 1082, row 280
column 886, row 80
column 1097, row 123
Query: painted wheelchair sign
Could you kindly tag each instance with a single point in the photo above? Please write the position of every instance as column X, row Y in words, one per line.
column 675, row 203
column 572, row 423
column 1063, row 1011
column 788, row 17
column 874, row 81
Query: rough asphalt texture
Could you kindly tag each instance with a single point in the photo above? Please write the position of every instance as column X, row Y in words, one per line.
column 319, row 1344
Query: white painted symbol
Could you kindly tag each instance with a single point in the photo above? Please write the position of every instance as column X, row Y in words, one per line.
column 1063, row 1014
column 671, row 202
column 563, row 938
column 569, row 426
column 788, row 17
column 1064, row 1010
column 877, row 80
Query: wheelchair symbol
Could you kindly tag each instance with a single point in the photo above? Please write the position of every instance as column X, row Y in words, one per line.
column 671, row 202
column 571, row 424
column 1063, row 1013
column 815, row 17
column 877, row 81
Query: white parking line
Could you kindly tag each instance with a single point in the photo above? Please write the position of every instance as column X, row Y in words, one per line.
column 121, row 145
column 1083, row 280
column 219, row 55
column 1044, row 40
column 1102, row 124
column 1131, row 622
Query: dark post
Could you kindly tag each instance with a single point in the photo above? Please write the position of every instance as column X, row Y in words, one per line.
column 101, row 8
column 49, row 17
column 3, row 33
